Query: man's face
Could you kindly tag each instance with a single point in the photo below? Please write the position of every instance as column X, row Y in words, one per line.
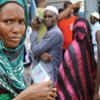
column 92, row 19
column 12, row 24
column 50, row 18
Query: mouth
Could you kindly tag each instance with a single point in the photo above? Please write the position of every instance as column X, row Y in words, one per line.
column 48, row 24
column 15, row 39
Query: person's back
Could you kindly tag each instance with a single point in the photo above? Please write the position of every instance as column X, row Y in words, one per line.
column 77, row 72
column 66, row 26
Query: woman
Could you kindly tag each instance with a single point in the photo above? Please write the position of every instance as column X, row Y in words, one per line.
column 77, row 72
column 13, row 24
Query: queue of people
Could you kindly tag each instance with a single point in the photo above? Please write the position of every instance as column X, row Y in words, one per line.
column 73, row 76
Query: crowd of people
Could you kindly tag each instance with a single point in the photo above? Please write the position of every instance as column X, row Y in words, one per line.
column 66, row 46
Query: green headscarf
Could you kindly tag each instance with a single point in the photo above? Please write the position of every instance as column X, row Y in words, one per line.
column 11, row 72
column 43, row 29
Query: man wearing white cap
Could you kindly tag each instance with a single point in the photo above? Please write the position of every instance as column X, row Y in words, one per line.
column 94, row 19
column 49, row 49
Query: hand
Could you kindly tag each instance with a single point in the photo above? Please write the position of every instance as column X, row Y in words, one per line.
column 76, row 5
column 34, row 24
column 40, row 91
column 46, row 57
column 96, row 96
column 52, row 94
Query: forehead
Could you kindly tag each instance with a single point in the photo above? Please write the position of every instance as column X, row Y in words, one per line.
column 10, row 6
column 49, row 12
column 10, row 9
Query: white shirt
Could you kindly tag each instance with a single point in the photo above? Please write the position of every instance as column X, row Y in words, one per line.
column 95, row 28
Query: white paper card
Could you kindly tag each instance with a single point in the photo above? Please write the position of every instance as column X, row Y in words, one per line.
column 39, row 74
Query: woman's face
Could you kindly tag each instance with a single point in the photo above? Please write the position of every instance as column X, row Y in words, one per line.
column 12, row 24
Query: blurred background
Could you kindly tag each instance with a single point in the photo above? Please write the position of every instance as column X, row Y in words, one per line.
column 87, row 6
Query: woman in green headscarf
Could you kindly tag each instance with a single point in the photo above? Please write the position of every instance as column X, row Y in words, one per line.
column 13, row 24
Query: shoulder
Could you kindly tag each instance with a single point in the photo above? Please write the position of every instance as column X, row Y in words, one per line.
column 55, row 31
column 96, row 26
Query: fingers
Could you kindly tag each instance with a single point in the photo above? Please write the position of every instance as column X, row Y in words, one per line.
column 78, row 2
column 76, row 5
column 50, row 98
column 47, row 84
column 53, row 89
column 51, row 58
column 46, row 57
column 52, row 94
column 43, row 84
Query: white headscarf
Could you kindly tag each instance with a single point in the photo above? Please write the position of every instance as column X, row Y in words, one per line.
column 96, row 15
column 52, row 8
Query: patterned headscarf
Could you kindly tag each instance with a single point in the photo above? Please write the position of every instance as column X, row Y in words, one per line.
column 82, row 30
column 77, row 73
column 11, row 60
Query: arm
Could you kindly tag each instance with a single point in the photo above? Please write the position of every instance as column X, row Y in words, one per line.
column 35, row 25
column 49, row 40
column 40, row 91
column 67, row 11
column 98, row 67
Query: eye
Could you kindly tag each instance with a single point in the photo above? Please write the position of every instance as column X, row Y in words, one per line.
column 8, row 21
column 22, row 22
column 48, row 16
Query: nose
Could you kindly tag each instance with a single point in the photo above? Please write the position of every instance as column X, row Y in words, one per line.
column 16, row 28
column 46, row 18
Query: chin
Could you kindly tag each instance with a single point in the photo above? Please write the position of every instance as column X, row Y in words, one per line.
column 12, row 46
column 15, row 46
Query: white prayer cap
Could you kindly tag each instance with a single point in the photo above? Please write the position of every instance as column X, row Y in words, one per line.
column 96, row 15
column 52, row 8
